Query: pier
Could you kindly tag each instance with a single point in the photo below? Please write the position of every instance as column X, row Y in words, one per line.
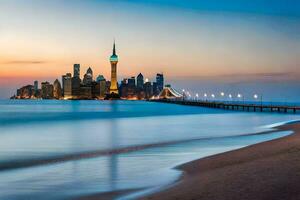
column 234, row 106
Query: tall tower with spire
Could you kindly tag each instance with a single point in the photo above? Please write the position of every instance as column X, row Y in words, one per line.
column 113, row 62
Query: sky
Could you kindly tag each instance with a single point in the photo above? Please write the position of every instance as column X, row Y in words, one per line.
column 199, row 44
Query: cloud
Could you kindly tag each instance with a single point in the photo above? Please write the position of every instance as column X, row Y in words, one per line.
column 12, row 62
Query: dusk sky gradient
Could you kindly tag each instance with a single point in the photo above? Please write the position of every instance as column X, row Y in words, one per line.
column 220, row 41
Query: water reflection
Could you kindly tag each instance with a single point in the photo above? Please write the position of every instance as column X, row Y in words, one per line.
column 142, row 169
column 113, row 159
column 113, row 125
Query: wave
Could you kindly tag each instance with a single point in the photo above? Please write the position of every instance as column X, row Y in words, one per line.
column 23, row 163
column 270, row 126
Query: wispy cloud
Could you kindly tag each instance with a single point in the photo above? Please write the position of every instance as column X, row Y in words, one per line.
column 12, row 62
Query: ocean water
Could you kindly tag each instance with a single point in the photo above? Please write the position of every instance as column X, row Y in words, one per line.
column 68, row 149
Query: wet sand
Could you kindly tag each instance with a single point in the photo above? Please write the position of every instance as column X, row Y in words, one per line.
column 264, row 171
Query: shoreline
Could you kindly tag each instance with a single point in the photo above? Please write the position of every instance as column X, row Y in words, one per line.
column 267, row 170
column 157, row 192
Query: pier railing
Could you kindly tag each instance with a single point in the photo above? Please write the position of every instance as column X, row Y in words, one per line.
column 249, row 107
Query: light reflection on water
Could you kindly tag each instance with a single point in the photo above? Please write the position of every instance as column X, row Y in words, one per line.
column 49, row 130
column 142, row 169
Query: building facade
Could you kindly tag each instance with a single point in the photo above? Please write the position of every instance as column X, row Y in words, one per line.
column 26, row 92
column 76, row 70
column 36, row 86
column 88, row 77
column 140, row 81
column 148, row 90
column 47, row 90
column 76, row 81
column 57, row 90
column 67, row 86
column 102, row 86
column 160, row 82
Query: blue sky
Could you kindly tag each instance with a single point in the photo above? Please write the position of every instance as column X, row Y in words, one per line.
column 198, row 40
column 269, row 7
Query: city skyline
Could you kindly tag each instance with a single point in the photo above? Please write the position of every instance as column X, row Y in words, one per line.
column 90, row 87
column 223, row 42
column 58, row 91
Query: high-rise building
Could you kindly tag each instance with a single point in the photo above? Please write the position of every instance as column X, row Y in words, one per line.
column 131, row 82
column 67, row 86
column 148, row 89
column 160, row 82
column 113, row 82
column 123, row 88
column 76, row 87
column 102, row 86
column 95, row 90
column 36, row 86
column 76, row 70
column 155, row 89
column 140, row 81
column 88, row 77
column 57, row 91
column 47, row 90
column 131, row 87
column 76, row 82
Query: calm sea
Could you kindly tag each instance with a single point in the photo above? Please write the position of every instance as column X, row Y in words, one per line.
column 68, row 149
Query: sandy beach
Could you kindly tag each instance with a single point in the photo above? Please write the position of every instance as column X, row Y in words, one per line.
column 269, row 170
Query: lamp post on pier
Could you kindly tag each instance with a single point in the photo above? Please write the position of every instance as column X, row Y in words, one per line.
column 239, row 96
column 213, row 96
column 261, row 98
column 230, row 98
column 222, row 95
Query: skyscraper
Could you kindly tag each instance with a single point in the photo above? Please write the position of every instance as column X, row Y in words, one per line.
column 36, row 86
column 102, row 86
column 76, row 82
column 76, row 70
column 160, row 82
column 131, row 89
column 113, row 61
column 148, row 89
column 131, row 82
column 57, row 91
column 47, row 90
column 155, row 89
column 140, row 81
column 67, row 85
column 88, row 77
